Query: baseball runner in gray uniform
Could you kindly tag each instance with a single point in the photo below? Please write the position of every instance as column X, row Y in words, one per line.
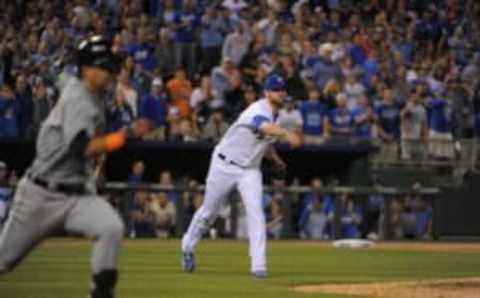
column 58, row 190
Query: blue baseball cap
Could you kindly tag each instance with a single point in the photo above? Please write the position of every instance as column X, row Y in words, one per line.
column 274, row 83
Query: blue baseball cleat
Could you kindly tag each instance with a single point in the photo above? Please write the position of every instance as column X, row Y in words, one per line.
column 260, row 274
column 188, row 262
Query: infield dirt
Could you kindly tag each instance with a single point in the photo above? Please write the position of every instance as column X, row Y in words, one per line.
column 447, row 288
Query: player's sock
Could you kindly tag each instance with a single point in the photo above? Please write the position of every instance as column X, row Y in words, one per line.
column 104, row 284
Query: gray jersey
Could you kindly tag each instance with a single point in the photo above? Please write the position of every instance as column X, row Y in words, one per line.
column 412, row 126
column 242, row 143
column 77, row 111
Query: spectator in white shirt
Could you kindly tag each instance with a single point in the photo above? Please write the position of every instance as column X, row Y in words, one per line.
column 202, row 94
column 234, row 6
column 353, row 90
column 125, row 86
column 268, row 26
column 414, row 128
column 237, row 43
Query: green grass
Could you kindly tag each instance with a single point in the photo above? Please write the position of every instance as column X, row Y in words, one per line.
column 151, row 269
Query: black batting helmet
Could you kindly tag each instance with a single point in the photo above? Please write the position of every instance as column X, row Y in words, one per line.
column 96, row 51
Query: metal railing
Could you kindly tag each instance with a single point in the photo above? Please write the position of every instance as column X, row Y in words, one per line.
column 391, row 213
column 430, row 152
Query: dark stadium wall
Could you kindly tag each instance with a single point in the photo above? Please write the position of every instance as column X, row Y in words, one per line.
column 192, row 160
column 18, row 155
column 457, row 212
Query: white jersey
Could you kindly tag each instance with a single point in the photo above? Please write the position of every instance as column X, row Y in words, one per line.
column 243, row 144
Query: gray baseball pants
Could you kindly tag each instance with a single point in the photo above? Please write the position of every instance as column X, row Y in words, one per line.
column 37, row 213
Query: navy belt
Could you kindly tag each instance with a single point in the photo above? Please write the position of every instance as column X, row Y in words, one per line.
column 224, row 158
column 58, row 187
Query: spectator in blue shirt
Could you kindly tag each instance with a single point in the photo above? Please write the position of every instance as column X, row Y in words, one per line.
column 371, row 67
column 340, row 120
column 166, row 180
column 120, row 114
column 309, row 56
column 373, row 216
column 154, row 106
column 405, row 45
column 441, row 127
column 314, row 114
column 325, row 69
column 316, row 212
column 9, row 113
column 138, row 171
column 315, row 219
column 423, row 214
column 142, row 51
column 388, row 124
column 441, row 115
column 363, row 118
column 428, row 28
column 134, row 180
column 350, row 218
column 213, row 30
column 185, row 24
column 358, row 54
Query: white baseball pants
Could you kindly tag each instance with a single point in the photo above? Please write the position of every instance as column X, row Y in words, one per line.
column 222, row 178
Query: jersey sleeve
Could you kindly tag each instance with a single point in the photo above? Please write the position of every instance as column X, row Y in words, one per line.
column 258, row 120
column 254, row 117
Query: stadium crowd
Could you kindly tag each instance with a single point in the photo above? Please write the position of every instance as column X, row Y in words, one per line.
column 402, row 72
column 309, row 215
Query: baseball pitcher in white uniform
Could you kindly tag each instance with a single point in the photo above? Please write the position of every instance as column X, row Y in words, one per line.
column 235, row 162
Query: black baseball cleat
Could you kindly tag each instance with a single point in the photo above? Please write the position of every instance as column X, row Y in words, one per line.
column 103, row 284
column 100, row 295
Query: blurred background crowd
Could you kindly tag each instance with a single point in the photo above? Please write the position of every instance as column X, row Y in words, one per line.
column 404, row 73
column 401, row 73
column 307, row 215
